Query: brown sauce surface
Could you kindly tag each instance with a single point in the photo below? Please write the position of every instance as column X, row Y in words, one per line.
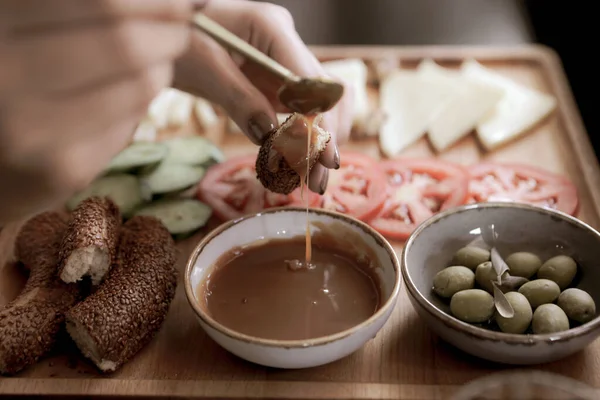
column 260, row 292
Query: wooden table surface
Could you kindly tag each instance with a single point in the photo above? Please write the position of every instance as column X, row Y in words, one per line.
column 405, row 360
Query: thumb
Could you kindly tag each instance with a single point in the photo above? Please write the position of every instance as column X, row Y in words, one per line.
column 209, row 71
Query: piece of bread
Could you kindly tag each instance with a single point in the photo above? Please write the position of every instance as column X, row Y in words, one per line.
column 115, row 322
column 31, row 323
column 90, row 244
column 272, row 170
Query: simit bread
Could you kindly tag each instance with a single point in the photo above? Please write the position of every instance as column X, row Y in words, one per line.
column 30, row 324
column 129, row 307
column 90, row 244
column 272, row 169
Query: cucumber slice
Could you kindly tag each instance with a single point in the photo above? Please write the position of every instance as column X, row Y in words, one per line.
column 180, row 216
column 169, row 177
column 187, row 193
column 123, row 189
column 192, row 150
column 138, row 154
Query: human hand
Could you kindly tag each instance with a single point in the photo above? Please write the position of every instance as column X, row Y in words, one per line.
column 248, row 93
column 75, row 79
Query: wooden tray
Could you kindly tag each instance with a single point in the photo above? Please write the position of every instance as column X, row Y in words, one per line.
column 405, row 360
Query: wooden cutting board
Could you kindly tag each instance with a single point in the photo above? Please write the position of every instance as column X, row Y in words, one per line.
column 405, row 360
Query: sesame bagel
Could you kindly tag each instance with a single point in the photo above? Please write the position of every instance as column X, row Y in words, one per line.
column 31, row 323
column 272, row 169
column 90, row 243
column 115, row 322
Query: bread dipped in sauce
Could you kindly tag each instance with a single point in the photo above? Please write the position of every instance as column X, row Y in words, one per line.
column 281, row 164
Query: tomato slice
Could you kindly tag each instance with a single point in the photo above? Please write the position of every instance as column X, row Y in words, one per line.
column 417, row 189
column 357, row 188
column 232, row 190
column 522, row 183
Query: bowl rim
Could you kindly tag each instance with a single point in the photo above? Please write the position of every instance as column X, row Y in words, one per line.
column 288, row 344
column 482, row 333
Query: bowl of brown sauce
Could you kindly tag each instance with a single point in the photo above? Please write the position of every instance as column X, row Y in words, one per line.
column 291, row 288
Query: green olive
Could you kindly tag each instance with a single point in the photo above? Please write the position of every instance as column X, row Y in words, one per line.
column 484, row 275
column 522, row 314
column 471, row 257
column 577, row 304
column 523, row 264
column 540, row 291
column 453, row 279
column 560, row 269
column 472, row 305
column 549, row 318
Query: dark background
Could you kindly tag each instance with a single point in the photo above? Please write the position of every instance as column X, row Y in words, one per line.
column 564, row 26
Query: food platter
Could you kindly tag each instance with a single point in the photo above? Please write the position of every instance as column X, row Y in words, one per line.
column 405, row 360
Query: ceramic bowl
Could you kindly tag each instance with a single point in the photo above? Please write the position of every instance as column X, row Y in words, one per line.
column 286, row 223
column 520, row 228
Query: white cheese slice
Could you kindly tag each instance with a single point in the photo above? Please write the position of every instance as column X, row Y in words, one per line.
column 353, row 72
column 409, row 102
column 519, row 109
column 470, row 103
column 205, row 113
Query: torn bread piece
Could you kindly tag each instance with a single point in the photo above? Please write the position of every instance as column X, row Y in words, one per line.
column 90, row 243
column 282, row 117
column 470, row 103
column 282, row 158
column 519, row 109
column 31, row 323
column 410, row 102
column 115, row 322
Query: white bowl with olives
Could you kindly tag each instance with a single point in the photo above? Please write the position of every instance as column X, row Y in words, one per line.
column 506, row 282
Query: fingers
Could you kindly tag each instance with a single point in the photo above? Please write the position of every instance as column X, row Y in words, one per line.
column 28, row 15
column 208, row 71
column 74, row 59
column 270, row 28
column 317, row 180
column 89, row 114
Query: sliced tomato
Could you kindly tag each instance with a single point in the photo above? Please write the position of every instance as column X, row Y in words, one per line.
column 522, row 183
column 417, row 189
column 357, row 188
column 232, row 190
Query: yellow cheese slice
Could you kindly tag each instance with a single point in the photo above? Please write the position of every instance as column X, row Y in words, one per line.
column 519, row 109
column 470, row 102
